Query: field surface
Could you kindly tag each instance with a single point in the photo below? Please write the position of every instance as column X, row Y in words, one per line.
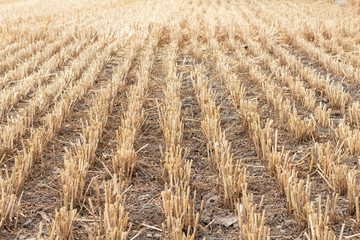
column 180, row 119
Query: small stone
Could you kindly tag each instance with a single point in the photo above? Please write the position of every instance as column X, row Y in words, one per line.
column 213, row 199
column 340, row 3
column 199, row 177
column 229, row 221
column 27, row 224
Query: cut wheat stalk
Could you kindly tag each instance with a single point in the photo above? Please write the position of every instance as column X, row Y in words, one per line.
column 219, row 146
column 350, row 138
column 338, row 68
column 301, row 129
column 336, row 95
column 124, row 158
column 322, row 115
column 181, row 218
column 82, row 155
column 319, row 221
column 16, row 127
column 31, row 64
column 21, row 55
column 115, row 219
column 250, row 221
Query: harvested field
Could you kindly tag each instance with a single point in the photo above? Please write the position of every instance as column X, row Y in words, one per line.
column 180, row 119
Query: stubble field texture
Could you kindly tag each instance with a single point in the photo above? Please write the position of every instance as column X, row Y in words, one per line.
column 180, row 119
